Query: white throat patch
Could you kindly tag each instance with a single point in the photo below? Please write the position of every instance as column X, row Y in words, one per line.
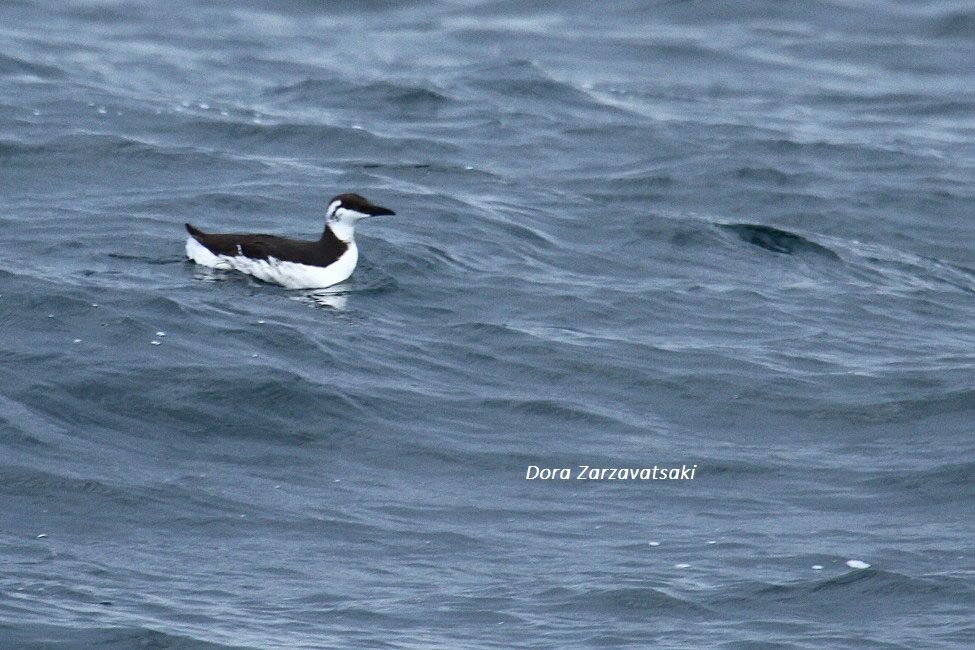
column 344, row 230
column 342, row 221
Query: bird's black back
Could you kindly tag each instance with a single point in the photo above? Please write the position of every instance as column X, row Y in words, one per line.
column 313, row 253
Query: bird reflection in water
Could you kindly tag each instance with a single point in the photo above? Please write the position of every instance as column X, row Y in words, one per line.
column 335, row 297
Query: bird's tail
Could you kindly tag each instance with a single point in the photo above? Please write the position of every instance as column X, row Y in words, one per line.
column 196, row 232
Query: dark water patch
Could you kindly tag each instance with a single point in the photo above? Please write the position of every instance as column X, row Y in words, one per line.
column 26, row 482
column 144, row 259
column 401, row 166
column 16, row 433
column 44, row 635
column 895, row 104
column 769, row 175
column 938, row 485
column 265, row 398
column 10, row 150
column 741, row 468
column 673, row 232
column 390, row 98
column 901, row 410
column 778, row 240
column 642, row 602
column 545, row 409
column 637, row 189
column 15, row 66
column 856, row 589
column 957, row 24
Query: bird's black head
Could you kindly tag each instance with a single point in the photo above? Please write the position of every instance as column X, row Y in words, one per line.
column 352, row 207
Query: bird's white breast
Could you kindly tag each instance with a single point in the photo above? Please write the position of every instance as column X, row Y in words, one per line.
column 289, row 274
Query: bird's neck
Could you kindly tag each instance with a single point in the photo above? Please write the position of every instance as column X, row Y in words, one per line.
column 344, row 231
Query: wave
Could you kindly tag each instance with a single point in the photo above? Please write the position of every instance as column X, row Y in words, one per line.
column 642, row 602
column 549, row 409
column 25, row 482
column 873, row 591
column 193, row 400
column 778, row 240
column 338, row 92
column 305, row 138
column 38, row 635
column 766, row 176
column 906, row 271
column 117, row 153
column 15, row 66
column 942, row 484
column 523, row 86
column 895, row 104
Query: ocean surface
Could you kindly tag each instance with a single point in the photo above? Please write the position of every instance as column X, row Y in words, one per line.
column 739, row 236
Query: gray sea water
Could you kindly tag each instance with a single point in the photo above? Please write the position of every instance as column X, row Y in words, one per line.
column 724, row 234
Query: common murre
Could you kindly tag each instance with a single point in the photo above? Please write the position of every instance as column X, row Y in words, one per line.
column 293, row 263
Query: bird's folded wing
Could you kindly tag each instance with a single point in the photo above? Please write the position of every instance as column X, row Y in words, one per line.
column 255, row 249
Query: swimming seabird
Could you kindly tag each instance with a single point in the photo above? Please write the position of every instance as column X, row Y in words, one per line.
column 293, row 263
